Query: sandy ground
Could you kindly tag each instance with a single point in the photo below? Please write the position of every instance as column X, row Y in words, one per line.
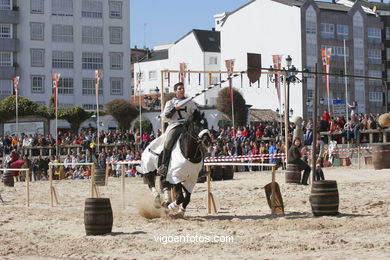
column 362, row 231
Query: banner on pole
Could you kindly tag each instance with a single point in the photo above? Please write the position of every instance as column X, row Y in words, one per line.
column 230, row 68
column 98, row 74
column 55, row 79
column 325, row 56
column 16, row 85
column 183, row 71
column 277, row 60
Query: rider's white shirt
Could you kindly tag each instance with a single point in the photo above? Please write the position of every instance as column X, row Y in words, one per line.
column 181, row 115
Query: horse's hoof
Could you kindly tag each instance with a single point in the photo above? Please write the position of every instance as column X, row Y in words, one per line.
column 165, row 204
column 157, row 202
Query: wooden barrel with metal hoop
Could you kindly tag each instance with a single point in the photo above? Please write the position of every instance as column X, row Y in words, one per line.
column 324, row 198
column 100, row 176
column 228, row 172
column 8, row 179
column 217, row 173
column 380, row 156
column 293, row 174
column 98, row 217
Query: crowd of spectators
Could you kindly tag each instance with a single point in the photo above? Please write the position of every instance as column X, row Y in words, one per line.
column 259, row 139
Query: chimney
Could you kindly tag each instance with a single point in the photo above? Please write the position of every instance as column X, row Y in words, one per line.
column 213, row 29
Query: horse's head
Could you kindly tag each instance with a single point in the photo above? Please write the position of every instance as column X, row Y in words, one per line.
column 197, row 125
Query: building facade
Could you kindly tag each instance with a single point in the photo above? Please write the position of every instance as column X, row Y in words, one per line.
column 199, row 49
column 73, row 38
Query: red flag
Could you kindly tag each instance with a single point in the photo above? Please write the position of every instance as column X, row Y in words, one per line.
column 325, row 55
column 55, row 78
column 16, row 85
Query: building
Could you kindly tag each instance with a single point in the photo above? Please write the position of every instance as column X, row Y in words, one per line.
column 301, row 29
column 73, row 38
column 199, row 49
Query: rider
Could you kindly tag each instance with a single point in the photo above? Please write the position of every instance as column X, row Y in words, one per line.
column 175, row 114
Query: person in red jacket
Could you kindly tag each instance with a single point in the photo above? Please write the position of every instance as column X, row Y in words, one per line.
column 326, row 116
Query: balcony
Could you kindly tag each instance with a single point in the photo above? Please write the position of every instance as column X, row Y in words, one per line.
column 9, row 16
column 9, row 72
column 9, row 45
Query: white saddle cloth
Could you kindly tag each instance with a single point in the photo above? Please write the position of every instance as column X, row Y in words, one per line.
column 180, row 169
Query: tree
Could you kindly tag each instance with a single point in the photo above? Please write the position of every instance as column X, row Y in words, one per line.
column 146, row 125
column 26, row 107
column 224, row 105
column 75, row 116
column 123, row 111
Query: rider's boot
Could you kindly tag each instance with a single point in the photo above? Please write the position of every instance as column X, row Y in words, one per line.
column 163, row 169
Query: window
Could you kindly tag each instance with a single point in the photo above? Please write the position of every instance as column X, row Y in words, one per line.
column 37, row 84
column 115, row 9
column 327, row 30
column 311, row 27
column 375, row 96
column 152, row 75
column 374, row 56
column 91, row 9
column 387, row 33
column 5, row 5
column 358, row 53
column 92, row 35
column 387, row 53
column 5, row 30
column 37, row 57
column 36, row 6
column 342, row 32
column 65, row 86
column 37, row 31
column 6, row 88
column 388, row 74
column 213, row 60
column 375, row 74
column 65, row 105
column 374, row 35
column 92, row 107
column 62, row 33
column 116, row 86
column 62, row 7
column 116, row 35
column 62, row 60
column 5, row 59
column 311, row 49
column 214, row 80
column 89, row 87
column 116, row 60
column 92, row 61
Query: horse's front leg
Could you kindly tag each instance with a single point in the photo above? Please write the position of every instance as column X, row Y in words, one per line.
column 166, row 190
column 181, row 201
column 150, row 179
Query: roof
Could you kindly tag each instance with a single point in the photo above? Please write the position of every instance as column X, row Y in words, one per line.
column 209, row 41
column 155, row 55
column 263, row 115
column 379, row 5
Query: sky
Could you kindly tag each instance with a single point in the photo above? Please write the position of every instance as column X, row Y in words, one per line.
column 155, row 22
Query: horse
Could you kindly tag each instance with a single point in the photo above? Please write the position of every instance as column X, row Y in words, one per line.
column 185, row 163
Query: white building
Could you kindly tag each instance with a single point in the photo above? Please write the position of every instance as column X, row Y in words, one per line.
column 266, row 27
column 200, row 49
column 70, row 37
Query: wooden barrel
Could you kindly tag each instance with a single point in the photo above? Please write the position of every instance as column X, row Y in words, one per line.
column 380, row 156
column 324, row 198
column 228, row 172
column 217, row 173
column 100, row 176
column 8, row 179
column 98, row 217
column 293, row 174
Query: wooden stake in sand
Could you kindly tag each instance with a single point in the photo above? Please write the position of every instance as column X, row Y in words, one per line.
column 123, row 186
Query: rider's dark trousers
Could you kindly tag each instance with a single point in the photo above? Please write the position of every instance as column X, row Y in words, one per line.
column 170, row 141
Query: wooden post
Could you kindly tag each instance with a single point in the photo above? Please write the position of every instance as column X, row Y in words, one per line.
column 51, row 184
column 358, row 157
column 286, row 119
column 92, row 180
column 28, row 187
column 123, row 186
column 273, row 191
column 106, row 178
column 208, row 189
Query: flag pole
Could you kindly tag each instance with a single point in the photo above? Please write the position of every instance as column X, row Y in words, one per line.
column 97, row 79
column 56, row 107
column 17, row 114
column 346, row 83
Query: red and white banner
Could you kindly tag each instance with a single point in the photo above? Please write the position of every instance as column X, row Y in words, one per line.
column 16, row 85
column 229, row 66
column 277, row 60
column 325, row 55
column 55, row 78
column 183, row 71
column 98, row 74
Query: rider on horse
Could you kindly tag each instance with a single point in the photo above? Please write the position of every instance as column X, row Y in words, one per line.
column 175, row 115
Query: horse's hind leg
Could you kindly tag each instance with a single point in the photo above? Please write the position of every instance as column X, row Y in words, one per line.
column 150, row 179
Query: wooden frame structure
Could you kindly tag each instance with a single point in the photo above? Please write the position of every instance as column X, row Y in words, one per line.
column 27, row 182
